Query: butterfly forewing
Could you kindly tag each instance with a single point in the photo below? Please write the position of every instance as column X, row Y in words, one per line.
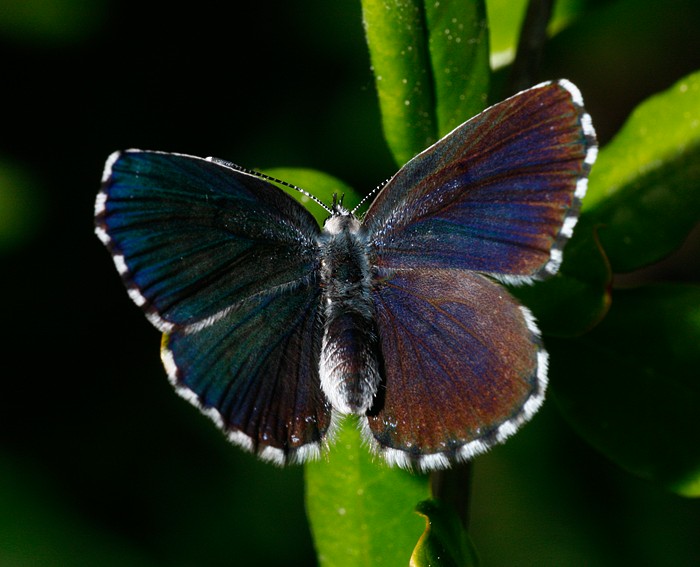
column 192, row 237
column 499, row 194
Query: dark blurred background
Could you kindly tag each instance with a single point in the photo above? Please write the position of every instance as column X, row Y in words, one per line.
column 100, row 462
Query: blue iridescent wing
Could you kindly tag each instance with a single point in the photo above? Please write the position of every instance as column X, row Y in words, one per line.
column 255, row 373
column 499, row 195
column 192, row 237
column 225, row 264
column 463, row 367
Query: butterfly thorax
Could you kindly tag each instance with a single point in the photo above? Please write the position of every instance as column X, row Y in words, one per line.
column 348, row 367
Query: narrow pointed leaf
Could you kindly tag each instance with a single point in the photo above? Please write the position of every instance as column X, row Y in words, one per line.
column 431, row 64
column 397, row 40
column 459, row 57
column 444, row 542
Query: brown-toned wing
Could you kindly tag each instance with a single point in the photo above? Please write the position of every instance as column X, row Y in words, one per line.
column 463, row 367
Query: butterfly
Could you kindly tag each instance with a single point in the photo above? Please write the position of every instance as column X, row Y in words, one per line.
column 275, row 328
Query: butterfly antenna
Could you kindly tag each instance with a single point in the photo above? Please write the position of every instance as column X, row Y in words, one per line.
column 370, row 194
column 259, row 175
column 338, row 208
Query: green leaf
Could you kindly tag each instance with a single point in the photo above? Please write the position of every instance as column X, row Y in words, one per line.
column 361, row 511
column 321, row 185
column 459, row 57
column 631, row 386
column 444, row 542
column 644, row 198
column 505, row 18
column 397, row 41
column 431, row 67
column 644, row 190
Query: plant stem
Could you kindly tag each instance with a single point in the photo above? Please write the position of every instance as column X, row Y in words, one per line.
column 533, row 36
column 453, row 486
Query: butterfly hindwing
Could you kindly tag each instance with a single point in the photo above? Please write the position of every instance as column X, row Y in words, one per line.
column 499, row 195
column 463, row 367
column 255, row 372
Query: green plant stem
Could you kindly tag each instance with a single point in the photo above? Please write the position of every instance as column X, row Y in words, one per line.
column 453, row 487
column 533, row 35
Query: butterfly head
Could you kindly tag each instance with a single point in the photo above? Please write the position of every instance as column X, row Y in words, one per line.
column 341, row 219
